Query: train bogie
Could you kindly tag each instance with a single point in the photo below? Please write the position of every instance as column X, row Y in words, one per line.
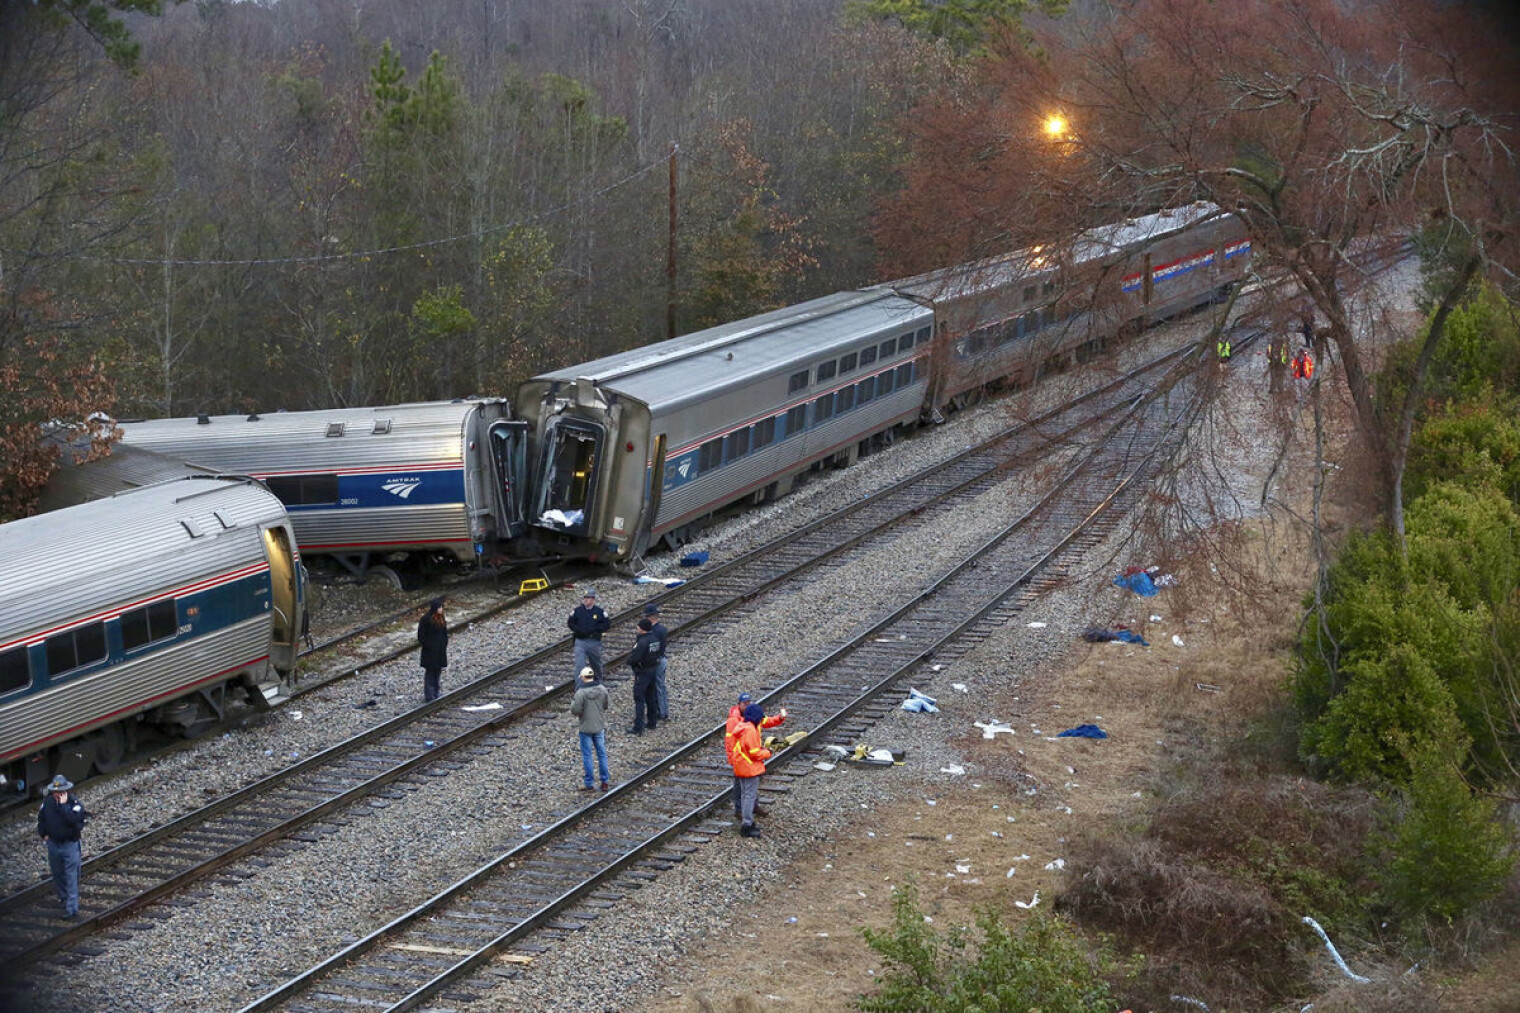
column 141, row 608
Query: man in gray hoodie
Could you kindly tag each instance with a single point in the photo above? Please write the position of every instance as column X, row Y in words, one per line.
column 590, row 705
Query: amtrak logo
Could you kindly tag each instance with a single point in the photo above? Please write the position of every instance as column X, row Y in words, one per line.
column 684, row 467
column 402, row 487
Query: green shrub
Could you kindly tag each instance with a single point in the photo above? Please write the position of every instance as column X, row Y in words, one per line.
column 1447, row 851
column 1042, row 965
column 1474, row 443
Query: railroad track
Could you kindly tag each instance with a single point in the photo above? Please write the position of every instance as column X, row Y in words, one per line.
column 164, row 861
column 555, row 882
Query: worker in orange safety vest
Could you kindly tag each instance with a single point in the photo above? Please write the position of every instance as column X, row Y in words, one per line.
column 731, row 734
column 748, row 759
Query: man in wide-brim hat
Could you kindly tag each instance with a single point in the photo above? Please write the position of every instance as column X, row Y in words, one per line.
column 59, row 822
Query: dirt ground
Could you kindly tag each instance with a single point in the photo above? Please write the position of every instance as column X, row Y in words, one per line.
column 991, row 843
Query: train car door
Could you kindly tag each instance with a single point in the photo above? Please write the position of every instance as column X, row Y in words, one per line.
column 509, row 458
column 284, row 598
column 572, row 451
column 654, row 491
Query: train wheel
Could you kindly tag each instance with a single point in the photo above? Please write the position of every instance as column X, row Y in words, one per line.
column 110, row 748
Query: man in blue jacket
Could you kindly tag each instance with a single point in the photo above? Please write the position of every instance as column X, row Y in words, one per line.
column 652, row 613
column 59, row 822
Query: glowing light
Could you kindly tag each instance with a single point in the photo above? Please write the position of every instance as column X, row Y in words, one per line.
column 1055, row 126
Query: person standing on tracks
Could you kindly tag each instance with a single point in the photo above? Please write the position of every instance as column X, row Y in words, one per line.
column 731, row 735
column 433, row 635
column 652, row 613
column 59, row 822
column 645, row 661
column 748, row 760
column 1277, row 364
column 587, row 624
column 590, row 705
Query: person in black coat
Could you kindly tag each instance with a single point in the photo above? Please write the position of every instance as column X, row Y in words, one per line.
column 433, row 635
column 645, row 661
column 59, row 823
column 587, row 624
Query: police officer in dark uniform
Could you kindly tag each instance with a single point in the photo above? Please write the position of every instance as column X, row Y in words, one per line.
column 587, row 624
column 645, row 661
column 652, row 613
column 59, row 823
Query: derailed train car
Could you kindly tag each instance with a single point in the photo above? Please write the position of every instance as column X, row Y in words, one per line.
column 637, row 448
column 632, row 448
column 434, row 479
column 200, row 593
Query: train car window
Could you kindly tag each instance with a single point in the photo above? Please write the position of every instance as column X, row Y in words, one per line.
column 736, row 444
column 904, row 375
column 336, row 428
column 826, row 371
column 923, row 336
column 82, row 646
column 710, row 456
column 796, row 382
column 844, row 400
column 1028, row 292
column 884, row 384
column 823, row 409
column 304, row 490
column 1031, row 322
column 888, row 348
column 1050, row 287
column 846, row 363
column 865, row 390
column 765, row 432
column 147, row 624
column 796, row 420
column 867, row 356
column 15, row 673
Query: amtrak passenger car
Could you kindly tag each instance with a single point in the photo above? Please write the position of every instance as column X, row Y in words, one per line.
column 637, row 447
column 634, row 447
column 363, row 484
column 201, row 591
column 1009, row 319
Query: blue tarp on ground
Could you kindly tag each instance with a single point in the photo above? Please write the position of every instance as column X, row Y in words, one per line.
column 1083, row 732
column 1140, row 583
column 694, row 558
column 1097, row 636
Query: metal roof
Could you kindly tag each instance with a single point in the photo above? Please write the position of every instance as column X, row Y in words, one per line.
column 704, row 363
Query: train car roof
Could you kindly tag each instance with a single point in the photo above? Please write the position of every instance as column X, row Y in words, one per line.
column 79, row 481
column 127, row 549
column 325, row 439
column 694, row 366
column 966, row 280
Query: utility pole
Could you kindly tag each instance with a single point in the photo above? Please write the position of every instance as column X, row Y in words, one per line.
column 670, row 258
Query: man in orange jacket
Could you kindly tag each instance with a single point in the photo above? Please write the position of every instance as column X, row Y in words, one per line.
column 731, row 732
column 748, row 758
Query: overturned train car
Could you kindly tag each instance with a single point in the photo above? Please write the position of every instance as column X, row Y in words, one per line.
column 140, row 609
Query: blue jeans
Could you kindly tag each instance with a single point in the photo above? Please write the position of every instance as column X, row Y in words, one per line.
column 597, row 740
column 63, row 861
column 659, row 689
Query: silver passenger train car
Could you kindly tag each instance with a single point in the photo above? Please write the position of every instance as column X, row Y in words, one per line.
column 201, row 592
column 634, row 447
column 639, row 447
column 437, row 478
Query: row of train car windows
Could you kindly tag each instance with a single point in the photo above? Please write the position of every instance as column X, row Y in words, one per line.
column 304, row 490
column 1005, row 331
column 86, row 645
column 743, row 442
column 851, row 361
